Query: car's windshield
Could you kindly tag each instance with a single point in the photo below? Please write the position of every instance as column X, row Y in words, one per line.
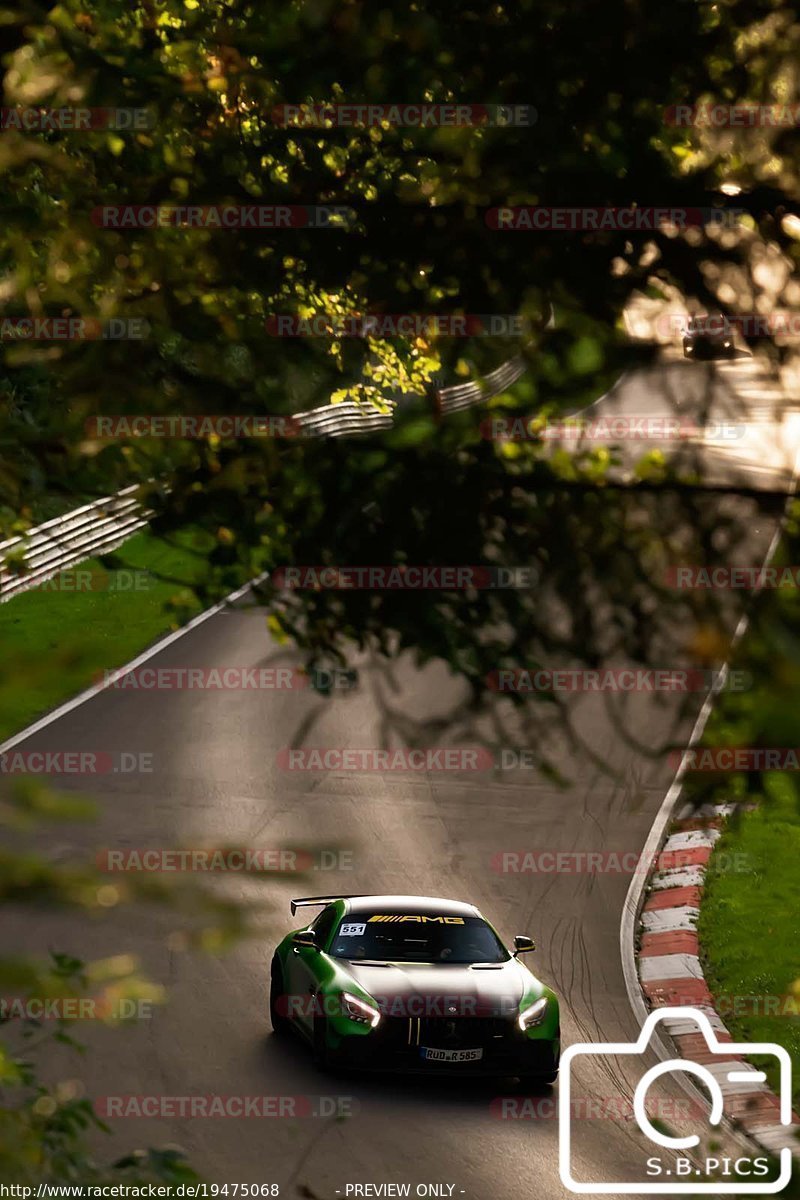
column 417, row 937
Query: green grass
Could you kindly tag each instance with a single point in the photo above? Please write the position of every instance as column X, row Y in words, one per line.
column 750, row 920
column 55, row 643
column 749, row 924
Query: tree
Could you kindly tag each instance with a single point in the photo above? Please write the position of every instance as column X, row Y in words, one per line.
column 210, row 77
column 210, row 73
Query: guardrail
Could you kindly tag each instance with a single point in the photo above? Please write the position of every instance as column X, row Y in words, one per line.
column 349, row 418
column 34, row 557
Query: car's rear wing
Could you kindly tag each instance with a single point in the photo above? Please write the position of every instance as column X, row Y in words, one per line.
column 319, row 901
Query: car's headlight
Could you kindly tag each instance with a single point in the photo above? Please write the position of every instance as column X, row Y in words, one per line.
column 359, row 1010
column 534, row 1015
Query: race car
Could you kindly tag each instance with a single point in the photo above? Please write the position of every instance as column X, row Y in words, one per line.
column 413, row 984
column 707, row 337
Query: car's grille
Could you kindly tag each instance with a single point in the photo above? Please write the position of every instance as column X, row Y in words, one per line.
column 462, row 1031
column 445, row 1033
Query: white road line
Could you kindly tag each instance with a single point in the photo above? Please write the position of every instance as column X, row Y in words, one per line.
column 168, row 640
column 669, row 920
column 684, row 1026
column 678, row 877
column 692, row 839
column 725, row 1068
column 670, row 966
column 775, row 1137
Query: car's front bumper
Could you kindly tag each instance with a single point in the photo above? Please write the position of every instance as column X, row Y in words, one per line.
column 705, row 346
column 397, row 1044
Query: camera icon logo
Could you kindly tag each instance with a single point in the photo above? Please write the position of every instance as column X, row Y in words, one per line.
column 721, row 1078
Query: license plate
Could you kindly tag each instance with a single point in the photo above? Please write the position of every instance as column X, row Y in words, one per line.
column 433, row 1055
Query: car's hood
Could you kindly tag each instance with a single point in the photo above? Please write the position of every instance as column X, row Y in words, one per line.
column 421, row 989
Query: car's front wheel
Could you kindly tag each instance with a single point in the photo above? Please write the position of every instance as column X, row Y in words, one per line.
column 535, row 1083
column 321, row 1056
column 549, row 1068
column 280, row 1023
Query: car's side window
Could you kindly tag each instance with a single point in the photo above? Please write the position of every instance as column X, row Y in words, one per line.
column 323, row 926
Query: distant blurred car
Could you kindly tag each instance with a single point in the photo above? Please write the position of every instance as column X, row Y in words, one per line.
column 708, row 337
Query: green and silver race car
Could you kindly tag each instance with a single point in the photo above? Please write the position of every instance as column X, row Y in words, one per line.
column 413, row 984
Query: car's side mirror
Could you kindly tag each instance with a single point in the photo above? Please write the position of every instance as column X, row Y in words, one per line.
column 306, row 937
column 523, row 944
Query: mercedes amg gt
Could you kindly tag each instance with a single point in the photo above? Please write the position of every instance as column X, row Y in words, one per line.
column 413, row 984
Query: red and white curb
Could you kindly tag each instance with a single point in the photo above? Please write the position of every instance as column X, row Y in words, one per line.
column 670, row 973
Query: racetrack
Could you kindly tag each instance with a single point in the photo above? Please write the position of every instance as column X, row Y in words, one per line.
column 216, row 780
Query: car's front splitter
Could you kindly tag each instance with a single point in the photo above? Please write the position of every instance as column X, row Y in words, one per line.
column 508, row 1052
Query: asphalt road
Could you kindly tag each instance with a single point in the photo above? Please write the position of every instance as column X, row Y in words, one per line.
column 216, row 779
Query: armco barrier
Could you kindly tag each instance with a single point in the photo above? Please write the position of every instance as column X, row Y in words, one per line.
column 97, row 528
column 349, row 418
